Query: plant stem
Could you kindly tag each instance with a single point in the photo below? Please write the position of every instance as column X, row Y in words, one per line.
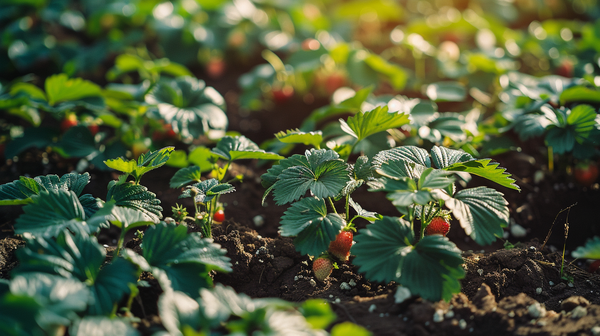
column 332, row 205
column 347, row 207
column 119, row 244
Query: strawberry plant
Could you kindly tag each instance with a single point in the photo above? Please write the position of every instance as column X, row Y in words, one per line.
column 206, row 193
column 421, row 185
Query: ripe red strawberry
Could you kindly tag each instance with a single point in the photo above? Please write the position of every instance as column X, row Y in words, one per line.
column 439, row 225
column 340, row 247
column 322, row 267
column 586, row 173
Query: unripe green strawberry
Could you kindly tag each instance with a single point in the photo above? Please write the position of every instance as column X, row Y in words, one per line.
column 439, row 225
column 322, row 267
column 340, row 247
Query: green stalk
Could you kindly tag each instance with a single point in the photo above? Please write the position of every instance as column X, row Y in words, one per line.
column 119, row 244
column 332, row 205
column 347, row 207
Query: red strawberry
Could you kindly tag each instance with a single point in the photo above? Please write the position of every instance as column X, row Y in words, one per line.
column 322, row 267
column 593, row 268
column 439, row 225
column 340, row 247
column 586, row 173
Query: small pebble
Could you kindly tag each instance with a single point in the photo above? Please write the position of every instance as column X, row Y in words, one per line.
column 449, row 314
column 372, row 308
column 345, row 286
column 300, row 276
column 337, row 300
column 536, row 310
column 258, row 220
column 570, row 284
column 331, row 296
column 578, row 312
column 480, row 271
column 381, row 315
column 538, row 290
column 438, row 316
column 518, row 231
column 462, row 324
column 352, row 282
column 511, row 314
column 551, row 283
column 596, row 331
column 402, row 293
column 313, row 282
column 296, row 278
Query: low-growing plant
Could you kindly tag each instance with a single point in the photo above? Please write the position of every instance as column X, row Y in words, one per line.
column 420, row 184
column 206, row 193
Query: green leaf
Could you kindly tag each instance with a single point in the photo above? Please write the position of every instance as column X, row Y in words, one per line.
column 127, row 218
column 111, row 284
column 433, row 178
column 70, row 181
column 60, row 88
column 377, row 120
column 239, row 147
column 296, row 136
column 443, row 157
column 137, row 197
column 399, row 169
column 269, row 178
column 317, row 313
column 206, row 190
column 446, row 91
column 394, row 73
column 178, row 159
column 359, row 71
column 411, row 154
column 314, row 227
column 381, row 247
column 50, row 213
column 323, row 174
column 349, row 328
column 583, row 117
column 591, row 249
column 17, row 315
column 185, row 176
column 102, row 326
column 203, row 158
column 362, row 213
column 185, row 259
column 481, row 211
column 486, row 169
column 579, row 94
column 79, row 257
column 145, row 163
column 178, row 311
column 18, row 191
column 433, row 269
column 77, row 142
column 192, row 108
column 60, row 299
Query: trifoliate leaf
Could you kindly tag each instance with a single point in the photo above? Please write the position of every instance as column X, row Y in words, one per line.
column 239, row 147
column 137, row 197
column 296, row 136
column 591, row 249
column 185, row 176
column 381, row 247
column 59, row 88
column 206, row 190
column 314, row 227
column 145, row 163
column 324, row 180
column 185, row 259
column 433, row 269
column 481, row 211
column 191, row 107
column 377, row 120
